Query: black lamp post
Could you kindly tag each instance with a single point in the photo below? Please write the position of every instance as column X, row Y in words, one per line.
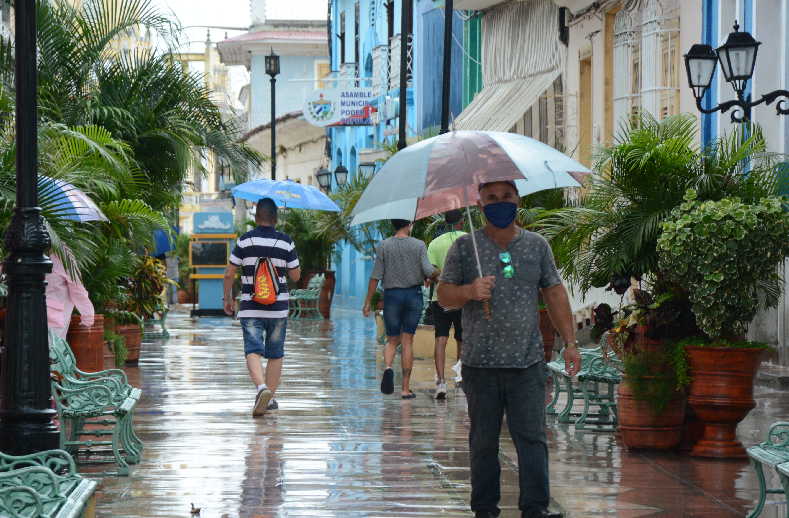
column 341, row 175
column 405, row 29
column 26, row 415
column 324, row 178
column 737, row 58
column 272, row 69
column 446, row 88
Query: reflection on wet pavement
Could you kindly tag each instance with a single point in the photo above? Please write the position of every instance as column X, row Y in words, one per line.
column 338, row 448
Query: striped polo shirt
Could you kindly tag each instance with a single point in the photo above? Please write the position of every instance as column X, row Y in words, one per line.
column 264, row 242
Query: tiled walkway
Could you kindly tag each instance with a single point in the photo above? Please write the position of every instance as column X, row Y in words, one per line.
column 338, row 448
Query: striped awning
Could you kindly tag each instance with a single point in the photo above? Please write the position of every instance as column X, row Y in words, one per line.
column 522, row 57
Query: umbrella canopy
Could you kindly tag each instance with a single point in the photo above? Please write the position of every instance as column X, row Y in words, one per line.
column 68, row 201
column 442, row 173
column 286, row 193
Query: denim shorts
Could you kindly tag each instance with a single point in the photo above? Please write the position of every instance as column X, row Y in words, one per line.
column 264, row 336
column 402, row 310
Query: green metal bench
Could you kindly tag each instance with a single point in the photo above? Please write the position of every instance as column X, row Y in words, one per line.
column 44, row 485
column 304, row 302
column 161, row 321
column 595, row 371
column 64, row 366
column 89, row 403
column 773, row 452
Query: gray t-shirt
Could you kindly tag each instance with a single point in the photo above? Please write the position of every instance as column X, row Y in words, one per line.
column 511, row 339
column 401, row 262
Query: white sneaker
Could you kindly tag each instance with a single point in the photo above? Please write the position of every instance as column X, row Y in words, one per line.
column 457, row 368
column 441, row 390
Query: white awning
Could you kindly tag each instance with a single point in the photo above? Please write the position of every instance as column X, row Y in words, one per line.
column 500, row 107
column 522, row 57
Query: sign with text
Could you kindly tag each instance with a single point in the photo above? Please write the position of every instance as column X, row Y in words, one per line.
column 340, row 107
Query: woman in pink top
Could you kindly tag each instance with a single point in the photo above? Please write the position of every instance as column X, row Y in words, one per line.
column 63, row 295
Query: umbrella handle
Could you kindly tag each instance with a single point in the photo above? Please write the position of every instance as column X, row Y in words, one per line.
column 486, row 310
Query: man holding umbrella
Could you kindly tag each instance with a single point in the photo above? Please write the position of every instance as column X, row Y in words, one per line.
column 263, row 326
column 503, row 368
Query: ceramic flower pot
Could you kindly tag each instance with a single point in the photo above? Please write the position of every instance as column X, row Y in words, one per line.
column 132, row 336
column 721, row 395
column 87, row 343
column 641, row 428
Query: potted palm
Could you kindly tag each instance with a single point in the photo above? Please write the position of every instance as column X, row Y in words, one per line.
column 724, row 254
column 611, row 238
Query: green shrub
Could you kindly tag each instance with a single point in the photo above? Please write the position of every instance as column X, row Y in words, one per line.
column 724, row 255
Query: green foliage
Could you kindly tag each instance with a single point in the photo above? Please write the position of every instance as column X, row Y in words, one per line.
column 124, row 317
column 117, row 346
column 184, row 270
column 147, row 285
column 650, row 378
column 314, row 247
column 724, row 255
column 105, row 284
column 640, row 179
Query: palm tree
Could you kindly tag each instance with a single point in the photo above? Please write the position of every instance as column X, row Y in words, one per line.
column 612, row 235
column 147, row 100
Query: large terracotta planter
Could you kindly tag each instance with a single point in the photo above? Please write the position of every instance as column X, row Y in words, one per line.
column 548, row 334
column 641, row 428
column 132, row 335
column 327, row 293
column 721, row 395
column 87, row 343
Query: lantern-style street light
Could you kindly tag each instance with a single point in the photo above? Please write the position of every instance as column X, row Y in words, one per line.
column 367, row 169
column 324, row 178
column 272, row 69
column 341, row 175
column 737, row 58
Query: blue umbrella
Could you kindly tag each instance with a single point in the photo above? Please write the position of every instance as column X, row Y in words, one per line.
column 67, row 201
column 286, row 193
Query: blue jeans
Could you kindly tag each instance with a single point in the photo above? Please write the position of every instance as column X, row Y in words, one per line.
column 402, row 310
column 264, row 336
column 521, row 394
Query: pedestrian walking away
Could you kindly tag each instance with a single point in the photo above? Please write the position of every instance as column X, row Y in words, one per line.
column 263, row 325
column 445, row 319
column 503, row 366
column 401, row 265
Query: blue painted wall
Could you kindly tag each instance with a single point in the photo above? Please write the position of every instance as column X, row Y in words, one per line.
column 709, row 33
column 424, row 104
column 290, row 94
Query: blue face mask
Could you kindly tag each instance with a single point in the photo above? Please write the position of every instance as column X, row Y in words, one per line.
column 500, row 214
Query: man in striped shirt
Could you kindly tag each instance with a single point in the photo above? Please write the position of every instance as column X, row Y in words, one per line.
column 263, row 326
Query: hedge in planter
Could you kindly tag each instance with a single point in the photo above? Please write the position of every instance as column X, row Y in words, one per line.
column 724, row 254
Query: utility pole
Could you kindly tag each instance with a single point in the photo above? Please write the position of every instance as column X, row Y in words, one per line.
column 446, row 91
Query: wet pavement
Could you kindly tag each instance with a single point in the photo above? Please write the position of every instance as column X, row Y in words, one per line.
column 338, row 448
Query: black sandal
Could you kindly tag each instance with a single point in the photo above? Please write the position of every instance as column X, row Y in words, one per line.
column 410, row 395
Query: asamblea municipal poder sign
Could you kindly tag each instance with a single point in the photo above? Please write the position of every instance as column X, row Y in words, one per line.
column 340, row 107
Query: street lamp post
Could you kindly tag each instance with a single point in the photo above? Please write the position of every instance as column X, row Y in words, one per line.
column 737, row 58
column 446, row 88
column 26, row 416
column 405, row 24
column 272, row 69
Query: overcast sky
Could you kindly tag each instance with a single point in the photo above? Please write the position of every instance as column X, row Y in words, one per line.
column 234, row 13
